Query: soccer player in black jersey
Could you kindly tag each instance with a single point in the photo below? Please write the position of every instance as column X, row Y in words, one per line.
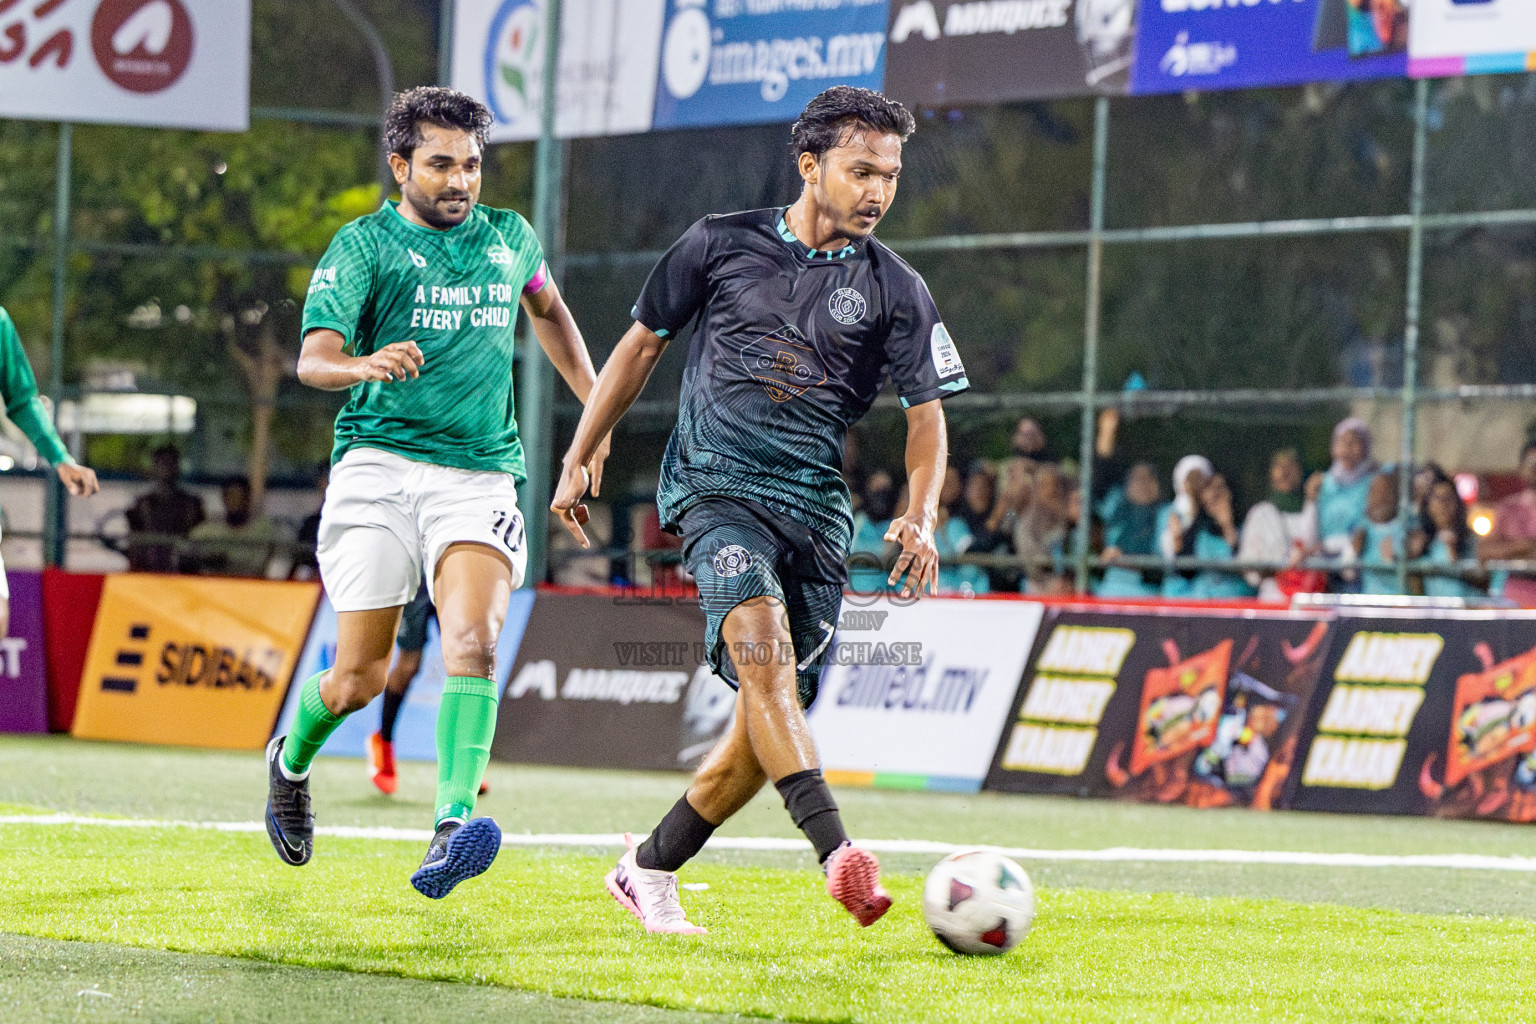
column 801, row 317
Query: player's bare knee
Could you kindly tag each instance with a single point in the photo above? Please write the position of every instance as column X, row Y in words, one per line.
column 353, row 688
column 469, row 650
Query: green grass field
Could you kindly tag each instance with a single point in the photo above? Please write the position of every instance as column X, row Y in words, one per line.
column 173, row 924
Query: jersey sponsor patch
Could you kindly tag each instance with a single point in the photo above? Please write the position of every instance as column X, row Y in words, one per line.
column 946, row 361
column 847, row 306
column 417, row 258
column 732, row 560
column 324, row 277
column 784, row 363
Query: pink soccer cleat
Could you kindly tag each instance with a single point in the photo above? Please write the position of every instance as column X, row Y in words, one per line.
column 853, row 879
column 649, row 895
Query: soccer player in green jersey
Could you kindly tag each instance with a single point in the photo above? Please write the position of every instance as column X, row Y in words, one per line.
column 412, row 310
column 18, row 387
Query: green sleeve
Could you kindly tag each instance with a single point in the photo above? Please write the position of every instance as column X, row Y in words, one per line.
column 342, row 284
column 19, row 389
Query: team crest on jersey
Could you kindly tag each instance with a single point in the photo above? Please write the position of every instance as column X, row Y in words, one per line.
column 732, row 560
column 847, row 306
column 417, row 258
column 499, row 255
column 784, row 363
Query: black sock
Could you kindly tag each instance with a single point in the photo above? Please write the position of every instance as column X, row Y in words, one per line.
column 392, row 702
column 812, row 809
column 673, row 842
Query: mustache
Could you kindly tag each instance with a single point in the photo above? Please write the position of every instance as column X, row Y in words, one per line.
column 453, row 197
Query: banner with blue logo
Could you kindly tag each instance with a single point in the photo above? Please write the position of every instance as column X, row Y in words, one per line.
column 1216, row 44
column 760, row 61
column 416, row 728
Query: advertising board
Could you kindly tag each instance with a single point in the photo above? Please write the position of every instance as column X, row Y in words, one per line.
column 952, row 52
column 1421, row 715
column 915, row 695
column 23, row 679
column 159, row 63
column 626, row 688
column 744, row 62
column 194, row 661
column 1199, row 708
column 1211, row 44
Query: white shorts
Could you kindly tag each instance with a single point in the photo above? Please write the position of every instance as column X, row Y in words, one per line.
column 387, row 520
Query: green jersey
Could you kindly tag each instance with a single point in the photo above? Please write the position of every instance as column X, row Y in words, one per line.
column 455, row 294
column 19, row 389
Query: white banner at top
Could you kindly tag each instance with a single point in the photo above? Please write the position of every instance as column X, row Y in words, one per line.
column 159, row 63
column 609, row 53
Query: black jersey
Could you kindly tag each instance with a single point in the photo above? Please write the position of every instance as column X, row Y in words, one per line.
column 792, row 347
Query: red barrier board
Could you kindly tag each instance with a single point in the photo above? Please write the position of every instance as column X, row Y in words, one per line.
column 69, row 611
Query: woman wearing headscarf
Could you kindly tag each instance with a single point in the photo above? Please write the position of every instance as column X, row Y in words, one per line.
column 1345, row 488
column 1281, row 528
column 1200, row 524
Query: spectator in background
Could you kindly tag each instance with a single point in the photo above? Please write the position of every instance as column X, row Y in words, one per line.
column 1041, row 527
column 1344, row 488
column 244, row 543
column 1029, row 441
column 1282, row 528
column 1378, row 540
column 1513, row 536
column 1130, row 512
column 976, row 503
column 168, row 509
column 1211, row 533
column 306, row 562
column 867, row 573
column 1444, row 538
column 1178, row 517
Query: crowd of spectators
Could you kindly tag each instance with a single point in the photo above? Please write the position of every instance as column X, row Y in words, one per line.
column 1336, row 530
column 170, row 530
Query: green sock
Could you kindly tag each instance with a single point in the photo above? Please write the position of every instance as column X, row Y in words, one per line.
column 466, row 722
column 312, row 726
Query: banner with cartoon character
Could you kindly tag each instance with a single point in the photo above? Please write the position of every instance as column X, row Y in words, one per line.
column 954, row 52
column 1425, row 716
column 1198, row 708
column 1208, row 44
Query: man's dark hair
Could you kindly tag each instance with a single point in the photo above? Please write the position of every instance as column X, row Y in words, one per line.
column 239, row 480
column 432, row 104
column 829, row 119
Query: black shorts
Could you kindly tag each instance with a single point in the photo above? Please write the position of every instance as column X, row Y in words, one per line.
column 738, row 549
column 412, row 635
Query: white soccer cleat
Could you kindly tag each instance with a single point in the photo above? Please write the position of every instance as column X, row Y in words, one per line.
column 649, row 895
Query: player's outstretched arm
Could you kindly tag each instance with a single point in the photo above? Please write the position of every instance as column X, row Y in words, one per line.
column 561, row 340
column 324, row 363
column 620, row 383
column 927, row 456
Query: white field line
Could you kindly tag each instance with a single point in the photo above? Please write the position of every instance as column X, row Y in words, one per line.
column 1114, row 854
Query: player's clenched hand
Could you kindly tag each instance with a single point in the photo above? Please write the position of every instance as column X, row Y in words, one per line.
column 567, row 502
column 78, row 480
column 919, row 558
column 399, row 361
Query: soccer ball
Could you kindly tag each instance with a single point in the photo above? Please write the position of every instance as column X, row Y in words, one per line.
column 978, row 902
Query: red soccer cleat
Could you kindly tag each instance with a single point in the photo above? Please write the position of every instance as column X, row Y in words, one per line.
column 381, row 763
column 853, row 879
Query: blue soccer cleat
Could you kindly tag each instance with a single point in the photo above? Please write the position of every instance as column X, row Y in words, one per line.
column 459, row 851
